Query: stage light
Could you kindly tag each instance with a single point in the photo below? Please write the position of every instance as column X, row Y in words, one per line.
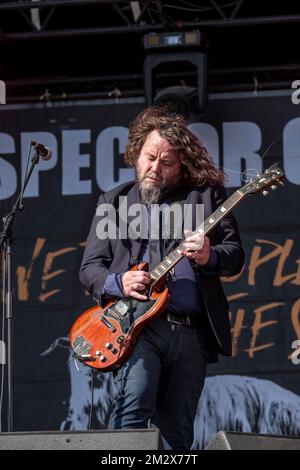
column 179, row 99
column 179, row 40
column 178, row 47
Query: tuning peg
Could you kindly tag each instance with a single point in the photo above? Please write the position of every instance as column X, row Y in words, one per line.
column 265, row 193
column 273, row 187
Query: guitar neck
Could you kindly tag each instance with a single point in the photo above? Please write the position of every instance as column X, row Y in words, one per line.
column 175, row 256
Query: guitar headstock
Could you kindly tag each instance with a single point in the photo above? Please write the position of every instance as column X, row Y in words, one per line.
column 270, row 178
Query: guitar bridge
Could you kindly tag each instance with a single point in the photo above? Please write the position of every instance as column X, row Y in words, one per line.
column 81, row 347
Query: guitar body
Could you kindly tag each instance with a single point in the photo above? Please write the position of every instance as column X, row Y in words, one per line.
column 103, row 338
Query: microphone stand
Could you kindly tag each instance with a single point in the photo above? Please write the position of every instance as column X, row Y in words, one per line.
column 7, row 276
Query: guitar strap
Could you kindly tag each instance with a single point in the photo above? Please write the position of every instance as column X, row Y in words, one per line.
column 155, row 246
column 160, row 247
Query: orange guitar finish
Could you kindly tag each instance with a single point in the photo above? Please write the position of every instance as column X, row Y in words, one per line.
column 99, row 340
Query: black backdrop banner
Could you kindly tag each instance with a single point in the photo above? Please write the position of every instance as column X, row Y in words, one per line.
column 244, row 133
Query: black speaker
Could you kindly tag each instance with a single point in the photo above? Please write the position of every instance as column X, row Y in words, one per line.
column 246, row 441
column 123, row 439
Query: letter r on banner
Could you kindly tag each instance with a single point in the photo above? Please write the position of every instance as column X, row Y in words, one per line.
column 2, row 92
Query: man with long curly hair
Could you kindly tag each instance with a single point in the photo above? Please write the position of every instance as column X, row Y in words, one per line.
column 161, row 382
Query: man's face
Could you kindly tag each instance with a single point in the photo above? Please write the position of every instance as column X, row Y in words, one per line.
column 158, row 165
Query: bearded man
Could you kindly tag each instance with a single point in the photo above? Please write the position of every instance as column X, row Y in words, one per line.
column 161, row 382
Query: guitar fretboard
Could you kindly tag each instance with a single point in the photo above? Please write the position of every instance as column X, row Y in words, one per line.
column 172, row 258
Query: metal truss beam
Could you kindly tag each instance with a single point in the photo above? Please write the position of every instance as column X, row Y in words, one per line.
column 142, row 12
column 139, row 92
column 26, row 5
column 236, row 9
column 80, row 32
column 276, row 68
column 266, row 20
column 220, row 79
column 218, row 9
column 121, row 13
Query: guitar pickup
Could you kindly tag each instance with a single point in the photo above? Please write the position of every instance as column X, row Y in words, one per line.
column 108, row 324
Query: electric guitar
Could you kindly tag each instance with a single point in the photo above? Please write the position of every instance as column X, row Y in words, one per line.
column 103, row 338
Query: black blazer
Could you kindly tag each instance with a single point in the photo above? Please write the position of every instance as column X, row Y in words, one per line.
column 103, row 257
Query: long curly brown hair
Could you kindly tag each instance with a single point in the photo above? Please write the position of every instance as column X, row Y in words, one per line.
column 198, row 166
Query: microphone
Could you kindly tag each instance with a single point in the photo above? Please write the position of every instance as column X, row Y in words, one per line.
column 44, row 152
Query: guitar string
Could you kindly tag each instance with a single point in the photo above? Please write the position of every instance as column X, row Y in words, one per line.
column 129, row 299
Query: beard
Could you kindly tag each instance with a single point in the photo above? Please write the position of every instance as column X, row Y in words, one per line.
column 154, row 193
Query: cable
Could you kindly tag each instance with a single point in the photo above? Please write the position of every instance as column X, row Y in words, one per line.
column 3, row 335
column 26, row 170
column 92, row 401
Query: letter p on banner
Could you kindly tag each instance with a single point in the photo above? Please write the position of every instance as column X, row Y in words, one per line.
column 2, row 92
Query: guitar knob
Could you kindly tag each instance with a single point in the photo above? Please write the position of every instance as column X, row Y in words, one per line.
column 273, row 187
column 108, row 346
column 114, row 350
column 120, row 339
column 265, row 193
column 102, row 358
column 87, row 358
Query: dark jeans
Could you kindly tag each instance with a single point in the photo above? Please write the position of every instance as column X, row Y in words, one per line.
column 162, row 382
